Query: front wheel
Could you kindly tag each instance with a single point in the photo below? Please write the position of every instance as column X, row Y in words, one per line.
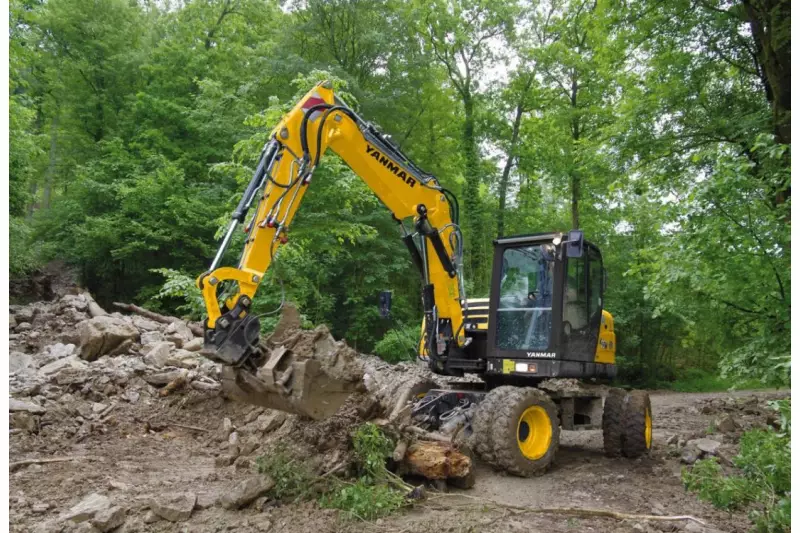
column 524, row 430
column 637, row 436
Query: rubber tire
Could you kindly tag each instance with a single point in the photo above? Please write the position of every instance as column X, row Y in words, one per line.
column 482, row 431
column 512, row 402
column 634, row 443
column 613, row 419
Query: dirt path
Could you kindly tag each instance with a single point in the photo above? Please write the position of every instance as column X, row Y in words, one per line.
column 133, row 464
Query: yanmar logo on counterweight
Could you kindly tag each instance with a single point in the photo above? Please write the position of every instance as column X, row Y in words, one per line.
column 390, row 165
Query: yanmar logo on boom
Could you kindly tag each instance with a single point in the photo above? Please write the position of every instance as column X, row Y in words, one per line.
column 390, row 165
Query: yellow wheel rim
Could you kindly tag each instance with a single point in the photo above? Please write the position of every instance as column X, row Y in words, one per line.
column 534, row 432
column 648, row 428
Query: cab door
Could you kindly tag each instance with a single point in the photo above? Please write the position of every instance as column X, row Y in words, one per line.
column 582, row 307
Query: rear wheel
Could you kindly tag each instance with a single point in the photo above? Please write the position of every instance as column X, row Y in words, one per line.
column 524, row 430
column 482, row 433
column 637, row 436
column 613, row 418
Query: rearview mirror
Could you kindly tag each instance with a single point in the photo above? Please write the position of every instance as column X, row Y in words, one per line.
column 575, row 243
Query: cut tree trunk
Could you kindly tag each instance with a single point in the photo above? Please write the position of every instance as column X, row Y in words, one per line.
column 437, row 460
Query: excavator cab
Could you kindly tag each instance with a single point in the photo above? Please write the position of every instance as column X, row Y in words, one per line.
column 545, row 314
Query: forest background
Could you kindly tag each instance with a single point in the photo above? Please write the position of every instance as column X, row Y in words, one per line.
column 660, row 128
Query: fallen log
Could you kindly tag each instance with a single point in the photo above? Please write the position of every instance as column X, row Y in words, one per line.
column 163, row 319
column 94, row 308
column 437, row 460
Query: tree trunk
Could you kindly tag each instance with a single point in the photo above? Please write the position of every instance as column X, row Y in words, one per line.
column 504, row 178
column 471, row 188
column 51, row 165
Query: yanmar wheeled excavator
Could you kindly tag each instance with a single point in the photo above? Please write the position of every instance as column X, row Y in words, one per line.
column 542, row 342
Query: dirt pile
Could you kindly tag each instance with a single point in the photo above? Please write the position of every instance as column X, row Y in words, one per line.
column 85, row 382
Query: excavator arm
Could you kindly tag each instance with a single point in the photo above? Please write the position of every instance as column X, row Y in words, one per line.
column 318, row 123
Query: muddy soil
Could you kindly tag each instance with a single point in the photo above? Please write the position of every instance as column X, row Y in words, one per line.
column 157, row 448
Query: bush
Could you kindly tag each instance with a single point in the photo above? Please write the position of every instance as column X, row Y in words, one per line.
column 400, row 344
column 292, row 476
column 763, row 480
column 23, row 257
column 364, row 500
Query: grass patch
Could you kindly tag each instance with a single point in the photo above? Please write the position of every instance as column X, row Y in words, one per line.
column 762, row 482
column 702, row 381
column 293, row 478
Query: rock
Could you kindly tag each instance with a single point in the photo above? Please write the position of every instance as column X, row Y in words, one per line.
column 23, row 326
column 118, row 485
column 690, row 455
column 163, row 378
column 26, row 314
column 75, row 301
column 19, row 361
column 40, row 507
column 12, row 322
column 25, row 421
column 109, row 518
column 123, row 348
column 224, row 460
column 152, row 337
column 179, row 333
column 727, row 425
column 174, row 507
column 58, row 351
column 159, row 354
column 102, row 334
column 707, row 446
column 57, row 366
column 673, row 439
column 15, row 405
column 245, row 492
column 146, row 325
column 151, row 517
column 194, row 345
column 87, row 508
column 270, row 420
column 206, row 500
column 183, row 359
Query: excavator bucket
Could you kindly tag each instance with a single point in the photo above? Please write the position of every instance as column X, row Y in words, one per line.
column 306, row 373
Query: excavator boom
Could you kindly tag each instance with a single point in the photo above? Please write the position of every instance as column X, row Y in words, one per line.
column 320, row 122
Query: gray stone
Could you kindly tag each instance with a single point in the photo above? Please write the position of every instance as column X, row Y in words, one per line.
column 206, row 500
column 145, row 324
column 102, row 334
column 87, row 508
column 727, row 425
column 673, row 439
column 75, row 301
column 183, row 359
column 245, row 492
column 19, row 361
column 40, row 507
column 179, row 333
column 174, row 507
column 23, row 326
column 270, row 420
column 194, row 345
column 57, row 351
column 151, row 517
column 12, row 322
column 163, row 378
column 109, row 518
column 690, row 455
column 708, row 446
column 23, row 420
column 159, row 354
column 152, row 337
column 26, row 314
column 15, row 405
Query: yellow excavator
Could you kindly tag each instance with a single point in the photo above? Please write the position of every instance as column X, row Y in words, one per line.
column 541, row 342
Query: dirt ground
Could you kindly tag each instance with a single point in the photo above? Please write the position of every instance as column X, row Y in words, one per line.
column 161, row 446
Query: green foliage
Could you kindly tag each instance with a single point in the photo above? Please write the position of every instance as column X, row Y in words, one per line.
column 364, row 500
column 23, row 252
column 401, row 344
column 372, row 448
column 763, row 480
column 292, row 476
column 181, row 287
column 698, row 380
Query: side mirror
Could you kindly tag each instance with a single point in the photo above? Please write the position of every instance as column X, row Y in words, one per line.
column 385, row 303
column 575, row 243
